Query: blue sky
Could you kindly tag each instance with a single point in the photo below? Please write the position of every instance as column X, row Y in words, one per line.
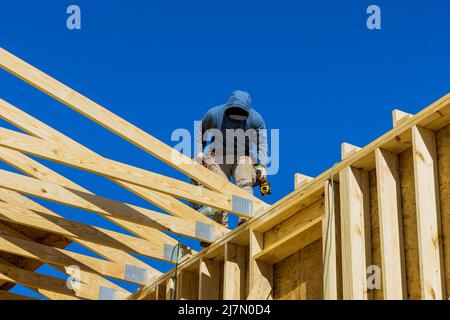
column 314, row 70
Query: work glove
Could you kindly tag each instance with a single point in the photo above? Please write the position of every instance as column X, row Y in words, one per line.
column 262, row 173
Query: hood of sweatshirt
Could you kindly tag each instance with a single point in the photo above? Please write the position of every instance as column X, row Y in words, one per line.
column 239, row 99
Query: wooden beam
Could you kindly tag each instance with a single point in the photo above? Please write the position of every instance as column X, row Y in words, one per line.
column 187, row 286
column 354, row 211
column 153, row 249
column 428, row 213
column 260, row 272
column 39, row 129
column 391, row 226
column 64, row 258
column 5, row 295
column 293, row 242
column 50, row 191
column 287, row 207
column 119, row 126
column 300, row 180
column 295, row 223
column 161, row 292
column 331, row 244
column 84, row 276
column 398, row 117
column 348, row 149
column 209, row 279
column 112, row 169
column 36, row 280
column 111, row 254
column 86, row 201
column 234, row 272
column 170, row 289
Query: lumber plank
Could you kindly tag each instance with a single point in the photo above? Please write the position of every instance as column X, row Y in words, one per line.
column 209, row 279
column 288, row 206
column 390, row 222
column 300, row 180
column 187, row 286
column 36, row 280
column 112, row 169
column 398, row 117
column 348, row 149
column 331, row 244
column 294, row 223
column 443, row 155
column 170, row 289
column 260, row 272
column 107, row 208
column 161, row 292
column 353, row 197
column 39, row 129
column 53, row 192
column 428, row 213
column 72, row 229
column 115, row 255
column 30, row 252
column 119, row 126
column 6, row 295
column 234, row 272
column 294, row 241
column 51, row 255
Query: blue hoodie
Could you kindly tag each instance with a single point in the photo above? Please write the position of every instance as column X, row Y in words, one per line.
column 217, row 118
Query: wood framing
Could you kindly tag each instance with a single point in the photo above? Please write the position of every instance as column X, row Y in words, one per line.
column 354, row 192
column 378, row 266
column 428, row 213
column 39, row 129
column 234, row 272
column 391, row 229
column 260, row 272
column 374, row 226
column 117, row 125
column 331, row 243
column 209, row 280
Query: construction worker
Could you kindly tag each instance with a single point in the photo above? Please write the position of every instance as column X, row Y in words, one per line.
column 236, row 129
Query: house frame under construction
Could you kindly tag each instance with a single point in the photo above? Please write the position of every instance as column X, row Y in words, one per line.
column 374, row 226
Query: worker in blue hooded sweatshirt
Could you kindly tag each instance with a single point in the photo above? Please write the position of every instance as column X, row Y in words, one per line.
column 237, row 141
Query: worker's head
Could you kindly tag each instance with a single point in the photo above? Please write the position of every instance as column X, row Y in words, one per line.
column 238, row 105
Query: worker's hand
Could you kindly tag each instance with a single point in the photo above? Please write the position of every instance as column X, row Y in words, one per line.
column 263, row 174
column 199, row 157
column 205, row 160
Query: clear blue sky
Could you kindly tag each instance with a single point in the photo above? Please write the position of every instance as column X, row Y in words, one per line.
column 312, row 67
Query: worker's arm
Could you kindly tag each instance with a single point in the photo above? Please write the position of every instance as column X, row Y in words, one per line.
column 261, row 146
column 200, row 140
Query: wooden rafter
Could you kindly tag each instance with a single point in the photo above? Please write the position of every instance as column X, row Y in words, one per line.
column 39, row 129
column 41, row 281
column 87, row 201
column 119, row 126
column 56, row 256
column 40, row 220
column 115, row 255
column 6, row 231
column 113, row 169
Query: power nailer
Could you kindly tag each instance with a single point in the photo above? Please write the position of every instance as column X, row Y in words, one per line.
column 264, row 185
